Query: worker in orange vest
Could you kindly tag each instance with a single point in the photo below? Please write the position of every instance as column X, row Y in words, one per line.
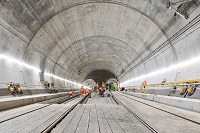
column 103, row 88
column 145, row 83
column 88, row 93
column 103, row 85
column 71, row 93
column 82, row 91
column 97, row 86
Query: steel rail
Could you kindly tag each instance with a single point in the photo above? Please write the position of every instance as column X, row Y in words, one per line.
column 57, row 121
column 71, row 98
column 23, row 114
column 164, row 110
column 153, row 130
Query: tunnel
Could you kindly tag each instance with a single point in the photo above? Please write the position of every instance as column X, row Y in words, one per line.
column 73, row 38
column 149, row 47
column 100, row 76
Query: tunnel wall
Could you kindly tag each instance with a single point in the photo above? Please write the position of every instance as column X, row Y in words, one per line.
column 46, row 49
column 13, row 46
column 183, row 48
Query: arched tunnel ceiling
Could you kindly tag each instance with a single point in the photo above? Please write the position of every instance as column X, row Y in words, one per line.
column 100, row 76
column 83, row 36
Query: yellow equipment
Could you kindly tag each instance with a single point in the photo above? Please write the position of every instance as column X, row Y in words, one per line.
column 11, row 89
column 18, row 89
column 182, row 90
column 190, row 89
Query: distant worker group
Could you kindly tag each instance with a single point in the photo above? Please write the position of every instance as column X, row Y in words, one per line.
column 50, row 87
column 84, row 92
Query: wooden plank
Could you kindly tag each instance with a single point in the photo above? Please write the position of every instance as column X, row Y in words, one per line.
column 114, row 125
column 135, row 124
column 125, row 127
column 62, row 125
column 84, row 122
column 72, row 126
column 158, row 119
column 29, row 119
column 40, row 120
column 20, row 111
column 103, row 122
column 41, row 125
column 93, row 125
column 23, row 118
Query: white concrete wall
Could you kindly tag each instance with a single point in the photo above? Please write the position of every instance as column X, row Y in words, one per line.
column 71, row 38
column 184, row 48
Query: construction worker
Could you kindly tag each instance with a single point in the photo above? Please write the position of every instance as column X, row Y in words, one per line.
column 52, row 87
column 82, row 91
column 97, row 86
column 88, row 93
column 52, row 84
column 103, row 88
column 71, row 93
column 145, row 83
column 46, row 84
column 144, row 86
column 103, row 85
column 96, row 91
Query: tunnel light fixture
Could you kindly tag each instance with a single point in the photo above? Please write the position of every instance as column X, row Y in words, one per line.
column 164, row 70
column 10, row 59
column 66, row 80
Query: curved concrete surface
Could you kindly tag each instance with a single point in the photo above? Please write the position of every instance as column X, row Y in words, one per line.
column 71, row 39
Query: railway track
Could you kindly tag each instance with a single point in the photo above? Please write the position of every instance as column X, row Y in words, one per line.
column 60, row 100
column 87, row 113
column 149, row 125
column 37, row 107
column 100, row 115
column 57, row 121
column 153, row 130
column 34, row 111
column 195, row 122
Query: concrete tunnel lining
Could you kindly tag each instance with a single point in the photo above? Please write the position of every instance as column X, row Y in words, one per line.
column 153, row 22
column 124, row 56
column 100, row 76
column 150, row 52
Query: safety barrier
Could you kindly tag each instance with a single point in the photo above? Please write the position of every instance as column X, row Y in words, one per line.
column 186, row 87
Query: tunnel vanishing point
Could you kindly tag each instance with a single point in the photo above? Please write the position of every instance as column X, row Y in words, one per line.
column 100, row 66
column 69, row 41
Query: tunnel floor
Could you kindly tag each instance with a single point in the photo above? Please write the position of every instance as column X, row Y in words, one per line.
column 100, row 115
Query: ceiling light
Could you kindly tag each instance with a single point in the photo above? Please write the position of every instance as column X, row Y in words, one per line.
column 7, row 58
column 164, row 70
